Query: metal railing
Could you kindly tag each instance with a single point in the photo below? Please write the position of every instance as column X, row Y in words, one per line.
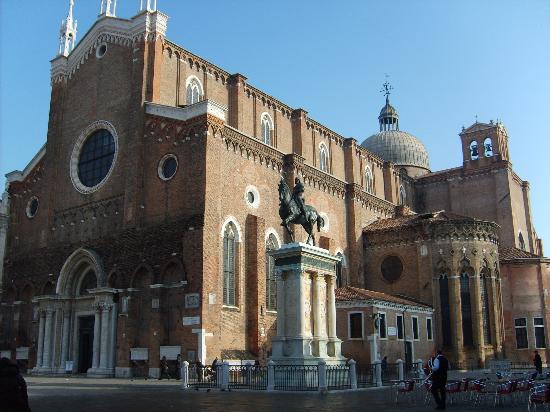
column 247, row 377
column 204, row 377
column 365, row 376
column 390, row 373
column 296, row 378
column 338, row 377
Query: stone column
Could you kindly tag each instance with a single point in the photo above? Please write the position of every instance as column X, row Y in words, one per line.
column 300, row 306
column 40, row 348
column 97, row 321
column 496, row 315
column 331, row 307
column 47, row 353
column 65, row 339
column 112, row 340
column 104, row 350
column 477, row 321
column 319, row 327
column 456, row 318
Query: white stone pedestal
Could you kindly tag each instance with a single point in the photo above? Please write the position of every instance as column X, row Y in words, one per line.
column 306, row 309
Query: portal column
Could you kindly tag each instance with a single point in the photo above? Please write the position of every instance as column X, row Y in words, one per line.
column 300, row 307
column 97, row 320
column 40, row 349
column 104, row 351
column 456, row 318
column 65, row 339
column 46, row 356
column 477, row 324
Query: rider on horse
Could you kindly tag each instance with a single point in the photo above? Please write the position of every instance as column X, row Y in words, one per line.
column 298, row 194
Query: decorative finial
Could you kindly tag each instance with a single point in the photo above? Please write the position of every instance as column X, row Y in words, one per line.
column 476, row 118
column 386, row 89
column 67, row 32
column 150, row 5
column 108, row 8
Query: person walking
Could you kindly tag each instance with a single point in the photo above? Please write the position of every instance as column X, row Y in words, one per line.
column 178, row 367
column 384, row 368
column 164, row 368
column 537, row 361
column 13, row 388
column 439, row 379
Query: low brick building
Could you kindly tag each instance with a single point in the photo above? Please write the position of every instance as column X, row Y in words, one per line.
column 142, row 227
column 373, row 325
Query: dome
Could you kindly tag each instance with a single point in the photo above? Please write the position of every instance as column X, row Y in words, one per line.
column 398, row 147
column 388, row 110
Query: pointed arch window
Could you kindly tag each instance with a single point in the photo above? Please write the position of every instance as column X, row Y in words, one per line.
column 194, row 90
column 323, row 157
column 402, row 195
column 270, row 280
column 521, row 241
column 267, row 129
column 369, row 181
column 488, row 147
column 466, row 309
column 445, row 310
column 485, row 314
column 229, row 252
column 474, row 150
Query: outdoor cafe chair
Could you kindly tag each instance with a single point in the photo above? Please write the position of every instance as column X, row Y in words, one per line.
column 539, row 395
column 404, row 388
column 453, row 389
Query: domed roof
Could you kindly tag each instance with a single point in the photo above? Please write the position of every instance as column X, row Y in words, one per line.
column 388, row 110
column 398, row 147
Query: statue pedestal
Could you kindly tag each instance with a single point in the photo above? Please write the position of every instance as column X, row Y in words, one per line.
column 306, row 307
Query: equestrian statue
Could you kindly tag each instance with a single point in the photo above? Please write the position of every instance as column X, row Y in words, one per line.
column 292, row 209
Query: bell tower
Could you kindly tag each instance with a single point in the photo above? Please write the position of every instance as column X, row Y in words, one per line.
column 484, row 143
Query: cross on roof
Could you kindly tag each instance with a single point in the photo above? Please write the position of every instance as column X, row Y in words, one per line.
column 386, row 88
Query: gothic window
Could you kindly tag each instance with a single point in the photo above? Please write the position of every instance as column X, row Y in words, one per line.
column 402, row 195
column 323, row 157
column 96, row 157
column 485, row 312
column 445, row 310
column 540, row 340
column 488, row 147
column 369, row 181
column 474, row 151
column 521, row 241
column 270, row 281
column 466, row 309
column 194, row 90
column 339, row 267
column 521, row 333
column 267, row 129
column 229, row 252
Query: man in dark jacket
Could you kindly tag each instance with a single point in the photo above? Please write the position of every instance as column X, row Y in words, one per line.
column 13, row 388
column 537, row 361
column 439, row 379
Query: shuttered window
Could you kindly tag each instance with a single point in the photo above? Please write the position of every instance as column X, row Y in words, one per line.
column 229, row 247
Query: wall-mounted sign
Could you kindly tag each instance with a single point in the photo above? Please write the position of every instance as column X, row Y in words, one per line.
column 191, row 320
column 139, row 354
column 192, row 300
column 392, row 331
column 171, row 352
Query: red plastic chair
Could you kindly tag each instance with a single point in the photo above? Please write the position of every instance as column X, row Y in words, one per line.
column 405, row 389
column 539, row 395
column 428, row 387
column 504, row 391
column 453, row 389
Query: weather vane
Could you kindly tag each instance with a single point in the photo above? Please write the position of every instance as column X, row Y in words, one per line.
column 386, row 88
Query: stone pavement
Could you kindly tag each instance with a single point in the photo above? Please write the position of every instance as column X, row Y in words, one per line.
column 118, row 395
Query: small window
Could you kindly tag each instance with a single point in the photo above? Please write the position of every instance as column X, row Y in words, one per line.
column 101, row 50
column 488, row 147
column 267, row 129
column 521, row 333
column 415, row 327
column 399, row 327
column 429, row 330
column 194, row 90
column 382, row 327
column 402, row 196
column 32, row 207
column 369, row 181
column 474, row 151
column 252, row 196
column 355, row 325
column 391, row 268
column 540, row 339
column 168, row 167
column 521, row 241
column 323, row 158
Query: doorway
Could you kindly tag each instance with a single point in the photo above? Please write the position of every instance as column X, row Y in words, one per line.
column 85, row 343
column 408, row 355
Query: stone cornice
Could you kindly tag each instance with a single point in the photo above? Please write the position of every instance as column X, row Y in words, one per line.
column 206, row 106
column 369, row 201
column 462, row 173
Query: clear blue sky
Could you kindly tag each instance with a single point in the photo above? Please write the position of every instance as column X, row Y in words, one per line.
column 448, row 62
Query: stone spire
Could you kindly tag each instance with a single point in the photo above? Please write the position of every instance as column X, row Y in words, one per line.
column 67, row 33
column 107, row 8
column 150, row 5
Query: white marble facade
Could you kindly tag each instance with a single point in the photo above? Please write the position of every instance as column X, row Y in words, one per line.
column 306, row 309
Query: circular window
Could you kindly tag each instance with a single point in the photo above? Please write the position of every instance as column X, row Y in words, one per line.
column 101, row 50
column 252, row 197
column 32, row 207
column 391, row 268
column 168, row 167
column 93, row 157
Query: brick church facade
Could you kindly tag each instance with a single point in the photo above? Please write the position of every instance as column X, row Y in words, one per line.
column 142, row 226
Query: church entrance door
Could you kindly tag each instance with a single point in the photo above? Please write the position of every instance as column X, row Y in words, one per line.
column 85, row 343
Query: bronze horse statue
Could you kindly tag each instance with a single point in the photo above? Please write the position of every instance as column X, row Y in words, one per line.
column 292, row 209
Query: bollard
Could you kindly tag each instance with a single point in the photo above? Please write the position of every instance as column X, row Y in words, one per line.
column 224, row 379
column 419, row 368
column 378, row 372
column 352, row 374
column 271, row 376
column 400, row 370
column 322, row 376
column 184, row 373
